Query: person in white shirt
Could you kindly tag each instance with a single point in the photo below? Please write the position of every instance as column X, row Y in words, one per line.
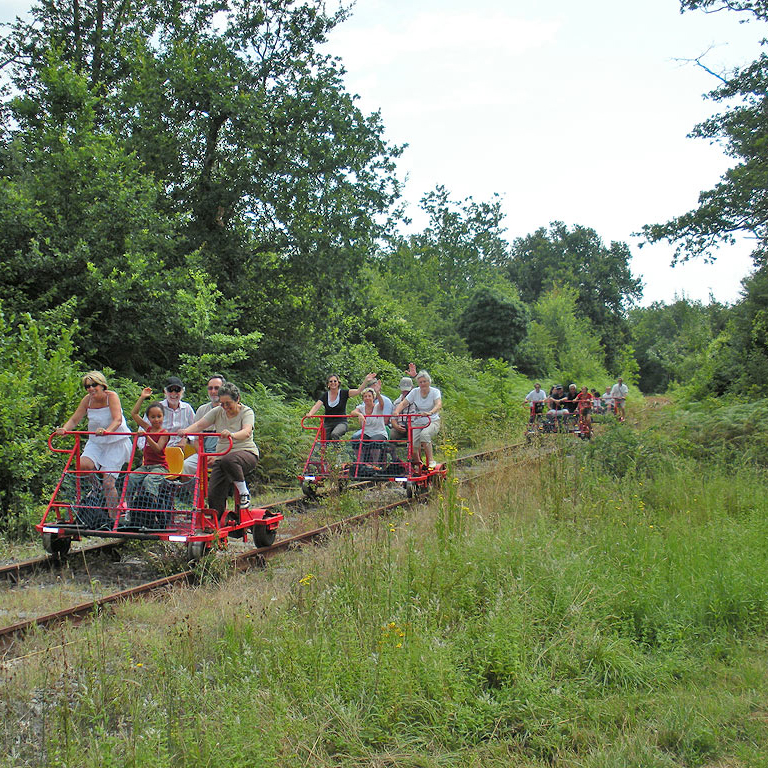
column 178, row 414
column 429, row 402
column 536, row 397
column 382, row 406
column 607, row 399
column 618, row 395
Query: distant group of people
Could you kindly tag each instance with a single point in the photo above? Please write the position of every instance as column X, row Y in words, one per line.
column 381, row 419
column 166, row 423
column 561, row 402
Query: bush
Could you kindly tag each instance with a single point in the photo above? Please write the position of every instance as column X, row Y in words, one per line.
column 39, row 388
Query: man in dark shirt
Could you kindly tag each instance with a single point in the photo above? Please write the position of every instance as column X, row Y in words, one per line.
column 556, row 401
column 570, row 404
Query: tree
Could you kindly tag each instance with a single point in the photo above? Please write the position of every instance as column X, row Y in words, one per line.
column 672, row 341
column 436, row 271
column 577, row 258
column 759, row 8
column 493, row 325
column 153, row 140
column 561, row 341
column 739, row 202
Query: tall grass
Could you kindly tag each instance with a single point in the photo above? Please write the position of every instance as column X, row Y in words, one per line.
column 565, row 611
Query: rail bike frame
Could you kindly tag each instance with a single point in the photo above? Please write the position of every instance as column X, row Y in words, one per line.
column 360, row 458
column 541, row 422
column 176, row 511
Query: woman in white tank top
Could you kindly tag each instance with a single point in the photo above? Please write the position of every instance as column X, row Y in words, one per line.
column 104, row 452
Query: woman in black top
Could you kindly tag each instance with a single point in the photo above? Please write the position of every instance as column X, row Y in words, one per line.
column 334, row 403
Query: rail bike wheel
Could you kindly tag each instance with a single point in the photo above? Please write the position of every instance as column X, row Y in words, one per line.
column 263, row 536
column 308, row 489
column 409, row 491
column 55, row 545
column 196, row 550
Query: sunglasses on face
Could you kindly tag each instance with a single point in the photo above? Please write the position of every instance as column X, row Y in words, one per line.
column 212, row 388
column 173, row 389
column 90, row 385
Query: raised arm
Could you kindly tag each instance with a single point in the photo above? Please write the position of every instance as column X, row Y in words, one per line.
column 358, row 390
column 145, row 393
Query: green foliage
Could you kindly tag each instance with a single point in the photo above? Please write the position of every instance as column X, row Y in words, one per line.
column 672, row 341
column 276, row 432
column 739, row 361
column 600, row 276
column 436, row 272
column 200, row 313
column 493, row 325
column 39, row 386
column 151, row 143
column 562, row 343
column 707, row 351
column 739, row 202
column 732, row 433
column 620, row 451
column 627, row 366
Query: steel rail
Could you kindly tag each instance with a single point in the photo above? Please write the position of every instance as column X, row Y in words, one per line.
column 14, row 571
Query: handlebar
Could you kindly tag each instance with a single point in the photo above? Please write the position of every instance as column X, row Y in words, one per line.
column 137, row 436
column 388, row 416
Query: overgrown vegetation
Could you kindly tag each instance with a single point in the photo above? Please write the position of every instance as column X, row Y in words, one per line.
column 569, row 610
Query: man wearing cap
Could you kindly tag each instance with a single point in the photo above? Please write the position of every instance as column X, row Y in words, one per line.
column 398, row 428
column 177, row 413
column 557, row 401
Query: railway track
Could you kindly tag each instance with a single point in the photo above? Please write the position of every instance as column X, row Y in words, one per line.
column 77, row 613
column 15, row 572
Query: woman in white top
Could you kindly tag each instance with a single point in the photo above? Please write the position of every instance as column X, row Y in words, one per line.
column 372, row 428
column 104, row 452
column 427, row 400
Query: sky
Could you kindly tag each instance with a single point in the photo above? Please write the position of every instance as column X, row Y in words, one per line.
column 571, row 111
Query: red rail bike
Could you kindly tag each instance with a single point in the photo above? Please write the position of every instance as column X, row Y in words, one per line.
column 136, row 504
column 367, row 454
column 546, row 420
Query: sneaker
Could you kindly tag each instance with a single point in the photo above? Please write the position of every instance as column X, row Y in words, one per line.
column 245, row 501
column 432, row 464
